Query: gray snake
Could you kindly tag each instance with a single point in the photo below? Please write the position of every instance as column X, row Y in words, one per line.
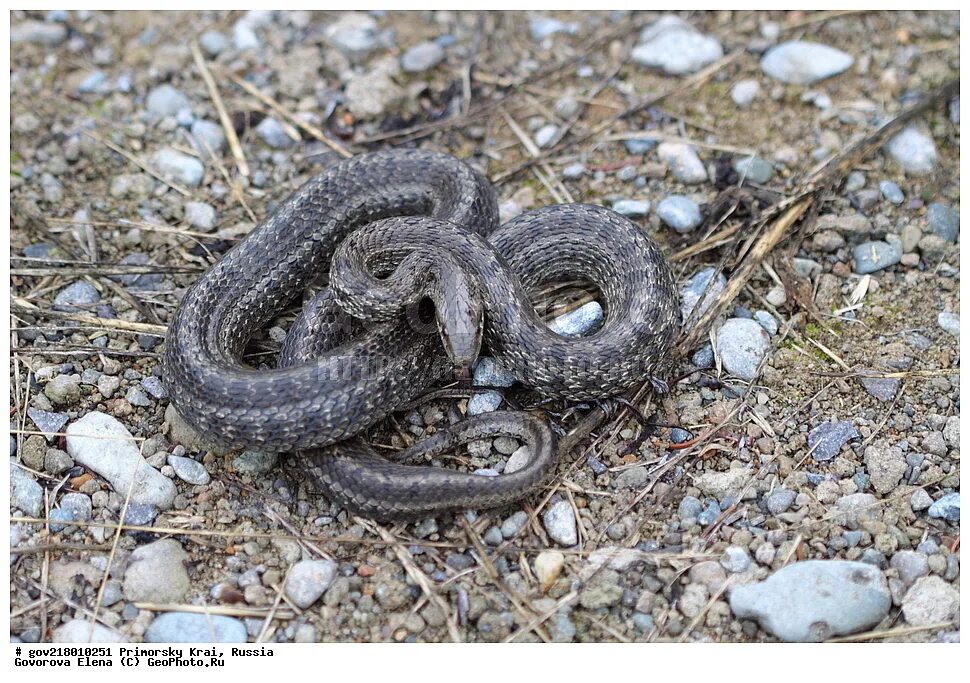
column 393, row 230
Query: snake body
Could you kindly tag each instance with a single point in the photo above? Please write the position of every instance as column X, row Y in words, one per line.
column 393, row 229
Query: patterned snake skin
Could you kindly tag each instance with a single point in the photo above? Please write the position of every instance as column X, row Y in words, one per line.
column 394, row 230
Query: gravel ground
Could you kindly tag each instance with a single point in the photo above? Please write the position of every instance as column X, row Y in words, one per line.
column 800, row 481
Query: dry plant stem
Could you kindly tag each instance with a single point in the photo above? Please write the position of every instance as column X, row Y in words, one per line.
column 227, row 127
column 803, row 199
column 687, row 85
column 285, row 113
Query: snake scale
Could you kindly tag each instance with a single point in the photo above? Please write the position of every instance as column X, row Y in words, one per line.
column 394, row 231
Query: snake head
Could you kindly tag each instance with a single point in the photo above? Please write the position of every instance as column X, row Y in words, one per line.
column 460, row 314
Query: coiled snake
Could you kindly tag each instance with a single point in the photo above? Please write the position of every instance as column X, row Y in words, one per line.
column 394, row 230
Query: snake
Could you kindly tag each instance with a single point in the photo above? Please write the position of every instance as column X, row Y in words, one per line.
column 419, row 278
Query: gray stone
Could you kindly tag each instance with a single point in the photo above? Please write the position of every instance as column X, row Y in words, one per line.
column 947, row 507
column 735, row 559
column 101, row 443
column 576, row 323
column 950, row 322
column 48, row 423
column 95, row 82
column 951, row 431
column 704, row 285
column 108, row 385
column 189, row 627
column 272, row 132
column 780, row 500
column 164, row 100
column 914, row 150
column 372, row 94
column 741, row 344
column 633, row 478
column 136, row 396
column 422, row 57
column 920, row 500
column 519, row 459
column 802, row 63
column 214, row 43
column 931, row 600
column 78, row 505
column 200, row 215
column 488, row 373
column 909, row 565
column 208, row 136
column 874, row 256
column 254, row 462
column 178, row 167
column 541, row 28
column 63, row 389
column 689, row 508
column 721, row 484
column 189, row 470
column 354, row 33
column 767, row 321
column 815, row 600
column 78, row 296
column 886, row 466
column 308, row 580
column 891, row 192
column 39, row 33
column 943, row 221
column 826, row 439
column 574, row 171
column 676, row 47
column 57, row 461
column 154, row 386
column 83, row 631
column 25, row 493
column 157, row 573
column 546, row 135
column 512, row 525
column 883, row 388
column 560, row 523
column 683, row 162
column 680, row 213
column 744, row 92
column 754, row 169
column 632, row 208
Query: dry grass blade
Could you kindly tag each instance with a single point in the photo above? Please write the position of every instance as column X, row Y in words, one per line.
column 289, row 116
column 227, row 127
column 218, row 610
column 26, row 308
column 134, row 160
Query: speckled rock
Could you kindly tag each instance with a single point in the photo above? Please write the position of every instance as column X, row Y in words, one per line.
column 946, row 507
column 742, row 344
column 931, row 600
column 886, row 466
column 157, row 573
column 815, row 600
column 826, row 439
column 680, row 213
column 308, row 580
column 914, row 150
column 560, row 523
